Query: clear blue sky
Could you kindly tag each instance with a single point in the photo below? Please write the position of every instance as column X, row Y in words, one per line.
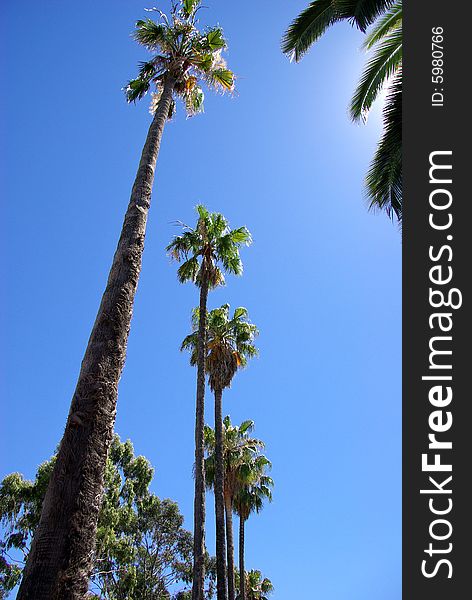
column 322, row 279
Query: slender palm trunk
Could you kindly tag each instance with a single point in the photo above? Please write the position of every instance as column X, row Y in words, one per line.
column 221, row 582
column 242, row 574
column 198, row 585
column 230, row 545
column 61, row 556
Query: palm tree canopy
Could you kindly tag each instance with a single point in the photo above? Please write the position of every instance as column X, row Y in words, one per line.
column 240, row 450
column 183, row 52
column 312, row 22
column 230, row 343
column 257, row 587
column 206, row 246
column 250, row 497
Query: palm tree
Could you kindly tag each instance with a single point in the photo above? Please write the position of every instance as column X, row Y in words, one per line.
column 60, row 560
column 203, row 249
column 229, row 345
column 384, row 178
column 239, row 450
column 258, row 588
column 253, row 490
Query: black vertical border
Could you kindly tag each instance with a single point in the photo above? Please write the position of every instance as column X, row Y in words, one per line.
column 427, row 129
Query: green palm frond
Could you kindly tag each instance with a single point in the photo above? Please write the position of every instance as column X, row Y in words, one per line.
column 384, row 179
column 215, row 39
column 220, row 78
column 392, row 19
column 153, row 36
column 319, row 15
column 385, row 62
column 308, row 27
column 136, row 89
column 362, row 13
column 190, row 6
column 189, row 270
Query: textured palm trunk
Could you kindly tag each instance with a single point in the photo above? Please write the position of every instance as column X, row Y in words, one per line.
column 198, row 584
column 61, row 556
column 230, row 545
column 242, row 574
column 221, row 581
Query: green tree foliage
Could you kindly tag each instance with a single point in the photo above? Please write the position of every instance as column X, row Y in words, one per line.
column 142, row 550
column 257, row 586
column 183, row 53
column 383, row 69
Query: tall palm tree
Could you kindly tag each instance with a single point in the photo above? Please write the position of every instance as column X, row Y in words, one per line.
column 239, row 450
column 254, row 489
column 202, row 250
column 258, row 588
column 229, row 346
column 60, row 560
column 384, row 178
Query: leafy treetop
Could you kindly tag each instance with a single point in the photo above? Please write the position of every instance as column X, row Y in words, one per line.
column 182, row 54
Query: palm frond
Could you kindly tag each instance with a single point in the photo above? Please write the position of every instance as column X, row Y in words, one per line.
column 390, row 20
column 384, row 179
column 308, row 27
column 153, row 35
column 241, row 236
column 190, row 6
column 319, row 15
column 384, row 64
column 215, row 39
column 189, row 270
column 362, row 13
column 221, row 78
column 136, row 89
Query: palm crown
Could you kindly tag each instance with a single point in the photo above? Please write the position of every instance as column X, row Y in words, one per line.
column 257, row 586
column 229, row 343
column 182, row 52
column 203, row 248
column 251, row 495
column 239, row 450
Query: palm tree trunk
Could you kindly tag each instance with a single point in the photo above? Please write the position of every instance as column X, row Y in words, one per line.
column 230, row 545
column 198, row 584
column 61, row 556
column 221, row 582
column 242, row 574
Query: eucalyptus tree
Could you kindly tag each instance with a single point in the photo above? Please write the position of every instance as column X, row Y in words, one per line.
column 253, row 490
column 60, row 560
column 384, row 69
column 229, row 346
column 205, row 252
column 239, row 452
column 141, row 548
